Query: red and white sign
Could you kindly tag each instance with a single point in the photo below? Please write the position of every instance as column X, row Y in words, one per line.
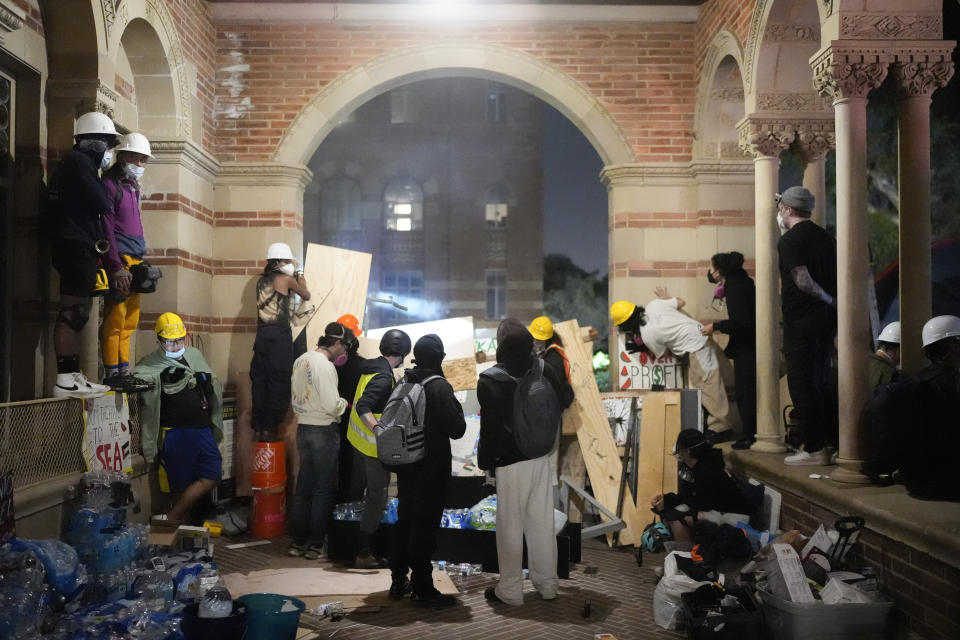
column 640, row 370
column 106, row 433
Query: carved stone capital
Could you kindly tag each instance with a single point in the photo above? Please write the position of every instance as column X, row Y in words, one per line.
column 765, row 136
column 815, row 138
column 921, row 70
column 11, row 18
column 849, row 71
column 889, row 27
column 87, row 95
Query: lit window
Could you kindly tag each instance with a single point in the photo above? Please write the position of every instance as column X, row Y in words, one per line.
column 496, row 294
column 495, row 211
column 403, row 205
column 403, row 208
column 403, row 224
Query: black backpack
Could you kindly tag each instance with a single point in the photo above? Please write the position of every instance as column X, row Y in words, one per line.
column 400, row 432
column 536, row 410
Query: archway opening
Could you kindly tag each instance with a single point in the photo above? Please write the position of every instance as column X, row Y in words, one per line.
column 151, row 96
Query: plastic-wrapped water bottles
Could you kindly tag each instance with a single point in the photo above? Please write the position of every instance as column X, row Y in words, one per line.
column 155, row 588
column 217, row 602
column 456, row 519
column 350, row 511
column 390, row 514
column 483, row 515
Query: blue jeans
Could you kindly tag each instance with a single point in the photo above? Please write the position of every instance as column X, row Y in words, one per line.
column 312, row 503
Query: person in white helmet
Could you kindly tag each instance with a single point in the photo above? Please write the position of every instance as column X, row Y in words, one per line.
column 272, row 364
column 885, row 361
column 930, row 438
column 77, row 202
column 124, row 233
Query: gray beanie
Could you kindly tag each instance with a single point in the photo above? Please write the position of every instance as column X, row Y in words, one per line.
column 798, row 198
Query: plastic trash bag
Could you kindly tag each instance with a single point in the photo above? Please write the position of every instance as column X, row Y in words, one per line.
column 559, row 521
column 483, row 515
column 667, row 604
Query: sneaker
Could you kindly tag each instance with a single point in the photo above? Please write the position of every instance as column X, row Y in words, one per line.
column 432, row 598
column 76, row 385
column 399, row 587
column 366, row 560
column 818, row 458
column 297, row 550
column 313, row 552
column 127, row 383
column 743, row 443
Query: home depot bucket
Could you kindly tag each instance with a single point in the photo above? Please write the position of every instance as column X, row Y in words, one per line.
column 269, row 512
column 269, row 465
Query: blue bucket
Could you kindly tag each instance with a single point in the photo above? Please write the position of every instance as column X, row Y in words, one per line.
column 266, row 621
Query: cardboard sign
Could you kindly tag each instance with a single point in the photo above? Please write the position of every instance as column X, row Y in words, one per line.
column 106, row 433
column 7, row 521
column 641, row 370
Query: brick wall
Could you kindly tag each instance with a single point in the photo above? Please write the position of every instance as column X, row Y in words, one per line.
column 197, row 39
column 716, row 15
column 926, row 590
column 643, row 74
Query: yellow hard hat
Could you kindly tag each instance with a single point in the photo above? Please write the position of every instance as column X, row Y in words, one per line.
column 170, row 326
column 541, row 328
column 621, row 310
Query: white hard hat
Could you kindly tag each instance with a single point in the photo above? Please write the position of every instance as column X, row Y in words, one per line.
column 890, row 333
column 279, row 251
column 940, row 327
column 94, row 122
column 135, row 142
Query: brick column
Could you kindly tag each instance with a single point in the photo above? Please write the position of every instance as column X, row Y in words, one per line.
column 847, row 72
column 764, row 140
column 918, row 71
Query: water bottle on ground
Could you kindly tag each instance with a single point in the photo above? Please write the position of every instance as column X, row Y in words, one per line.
column 217, row 602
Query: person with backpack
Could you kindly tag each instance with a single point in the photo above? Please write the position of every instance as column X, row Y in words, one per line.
column 77, row 202
column 318, row 407
column 548, row 345
column 520, row 405
column 422, row 485
column 704, row 486
column 123, row 230
column 373, row 391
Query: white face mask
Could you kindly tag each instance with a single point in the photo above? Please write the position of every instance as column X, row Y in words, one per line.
column 287, row 269
column 107, row 159
column 781, row 223
column 133, row 171
column 176, row 354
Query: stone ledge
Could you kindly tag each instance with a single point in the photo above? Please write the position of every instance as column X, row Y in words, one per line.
column 928, row 526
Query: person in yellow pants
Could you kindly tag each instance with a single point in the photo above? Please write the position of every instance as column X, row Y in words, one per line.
column 124, row 232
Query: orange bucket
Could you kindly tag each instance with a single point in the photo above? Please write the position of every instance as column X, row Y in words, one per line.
column 269, row 512
column 269, row 465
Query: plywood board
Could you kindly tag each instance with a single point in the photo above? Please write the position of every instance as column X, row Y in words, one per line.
column 457, row 337
column 461, row 373
column 337, row 279
column 593, row 432
column 321, row 581
column 659, row 426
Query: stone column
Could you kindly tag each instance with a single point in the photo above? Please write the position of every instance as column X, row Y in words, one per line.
column 814, row 139
column 847, row 72
column 918, row 74
column 765, row 140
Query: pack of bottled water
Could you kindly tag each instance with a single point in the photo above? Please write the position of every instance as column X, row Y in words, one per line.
column 483, row 515
column 456, row 519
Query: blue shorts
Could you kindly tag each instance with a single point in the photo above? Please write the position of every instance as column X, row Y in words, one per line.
column 187, row 455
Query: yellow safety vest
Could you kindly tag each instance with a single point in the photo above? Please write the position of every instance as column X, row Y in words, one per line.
column 358, row 434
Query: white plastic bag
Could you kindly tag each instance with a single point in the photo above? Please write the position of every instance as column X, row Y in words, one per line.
column 559, row 521
column 667, row 605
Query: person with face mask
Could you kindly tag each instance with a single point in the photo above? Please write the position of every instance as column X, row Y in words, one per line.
column 278, row 289
column 77, row 201
column 348, row 376
column 808, row 288
column 181, row 417
column 318, row 407
column 123, row 230
column 736, row 288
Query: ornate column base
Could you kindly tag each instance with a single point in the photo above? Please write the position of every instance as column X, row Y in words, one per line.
column 768, row 443
column 849, row 472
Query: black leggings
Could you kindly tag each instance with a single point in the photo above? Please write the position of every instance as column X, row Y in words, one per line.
column 270, row 372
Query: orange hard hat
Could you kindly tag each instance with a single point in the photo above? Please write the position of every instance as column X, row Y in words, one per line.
column 350, row 322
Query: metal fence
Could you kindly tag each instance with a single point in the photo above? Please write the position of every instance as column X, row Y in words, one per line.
column 41, row 440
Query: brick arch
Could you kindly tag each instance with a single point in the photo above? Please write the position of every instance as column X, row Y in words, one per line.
column 712, row 120
column 493, row 62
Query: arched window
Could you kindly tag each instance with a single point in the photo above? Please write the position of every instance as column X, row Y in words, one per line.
column 340, row 205
column 495, row 207
column 403, row 205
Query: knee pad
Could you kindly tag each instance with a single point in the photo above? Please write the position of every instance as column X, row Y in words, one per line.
column 74, row 316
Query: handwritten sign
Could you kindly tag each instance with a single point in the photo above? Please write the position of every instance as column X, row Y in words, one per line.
column 641, row 370
column 106, row 433
column 7, row 521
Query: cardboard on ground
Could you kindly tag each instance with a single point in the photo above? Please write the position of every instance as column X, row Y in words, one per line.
column 459, row 365
column 337, row 279
column 321, row 581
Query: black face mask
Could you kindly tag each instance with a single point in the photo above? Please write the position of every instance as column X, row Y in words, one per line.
column 710, row 277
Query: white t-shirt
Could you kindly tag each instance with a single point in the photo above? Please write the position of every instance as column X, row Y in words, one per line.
column 314, row 390
column 667, row 329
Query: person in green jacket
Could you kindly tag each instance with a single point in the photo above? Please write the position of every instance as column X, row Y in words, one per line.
column 181, row 417
column 885, row 361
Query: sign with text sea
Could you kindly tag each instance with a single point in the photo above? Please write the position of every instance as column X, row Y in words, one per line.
column 106, row 433
column 640, row 370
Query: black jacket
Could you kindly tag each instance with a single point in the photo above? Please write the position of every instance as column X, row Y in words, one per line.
column 348, row 376
column 931, row 439
column 497, row 447
column 713, row 488
column 378, row 390
column 443, row 415
column 741, row 296
column 77, row 200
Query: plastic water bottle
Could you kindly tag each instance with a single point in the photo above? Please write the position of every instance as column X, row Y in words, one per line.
column 217, row 602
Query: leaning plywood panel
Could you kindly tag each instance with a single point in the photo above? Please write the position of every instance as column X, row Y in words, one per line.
column 459, row 365
column 593, row 431
column 659, row 426
column 337, row 279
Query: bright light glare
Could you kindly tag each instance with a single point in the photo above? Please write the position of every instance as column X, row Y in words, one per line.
column 404, row 224
column 403, row 208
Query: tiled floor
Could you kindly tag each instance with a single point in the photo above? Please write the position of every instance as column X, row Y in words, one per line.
column 619, row 592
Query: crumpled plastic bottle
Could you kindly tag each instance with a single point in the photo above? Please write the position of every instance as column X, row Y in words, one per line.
column 217, row 602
